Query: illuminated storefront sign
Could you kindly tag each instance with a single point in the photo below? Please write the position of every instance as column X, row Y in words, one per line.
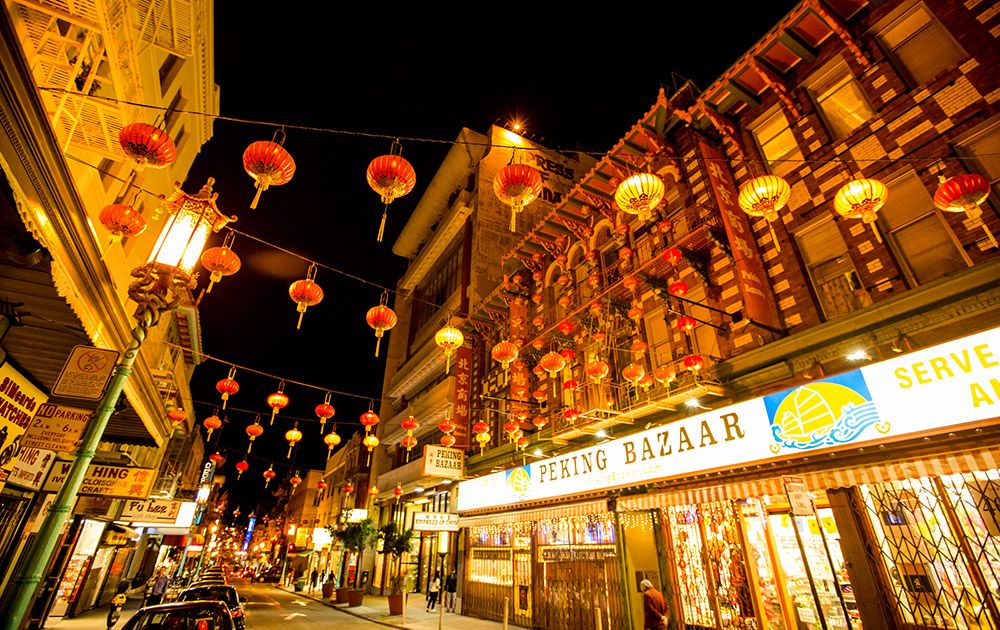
column 105, row 480
column 935, row 389
column 435, row 522
column 440, row 461
column 19, row 400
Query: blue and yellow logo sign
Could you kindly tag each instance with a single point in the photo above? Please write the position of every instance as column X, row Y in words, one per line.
column 828, row 412
column 519, row 481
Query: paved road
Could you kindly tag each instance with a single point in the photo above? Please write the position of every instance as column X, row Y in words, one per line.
column 270, row 608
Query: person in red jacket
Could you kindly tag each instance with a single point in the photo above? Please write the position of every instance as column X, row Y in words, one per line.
column 656, row 615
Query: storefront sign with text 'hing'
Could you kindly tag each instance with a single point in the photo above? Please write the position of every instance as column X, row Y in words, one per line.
column 105, row 480
column 936, row 389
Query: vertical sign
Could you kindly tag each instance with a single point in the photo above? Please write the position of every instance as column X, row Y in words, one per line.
column 19, row 400
column 463, row 391
column 750, row 275
column 251, row 522
column 519, row 381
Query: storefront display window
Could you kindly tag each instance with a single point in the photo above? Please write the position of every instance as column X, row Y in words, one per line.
column 761, row 565
column 691, row 576
column 937, row 538
column 72, row 580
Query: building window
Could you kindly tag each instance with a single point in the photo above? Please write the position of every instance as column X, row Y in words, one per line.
column 439, row 287
column 917, row 232
column 831, row 270
column 981, row 148
column 776, row 141
column 839, row 98
column 919, row 42
column 168, row 72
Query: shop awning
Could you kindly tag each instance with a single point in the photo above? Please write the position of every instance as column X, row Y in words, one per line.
column 546, row 513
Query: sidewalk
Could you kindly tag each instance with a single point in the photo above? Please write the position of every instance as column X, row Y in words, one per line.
column 376, row 609
column 95, row 619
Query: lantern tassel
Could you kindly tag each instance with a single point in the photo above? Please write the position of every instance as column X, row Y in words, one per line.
column 274, row 412
column 989, row 234
column 211, row 283
column 878, row 237
column 513, row 220
column 290, row 447
column 225, row 399
column 209, row 436
column 447, row 362
column 774, row 237
column 249, row 447
column 322, row 425
column 378, row 342
column 381, row 226
column 298, row 326
column 256, row 197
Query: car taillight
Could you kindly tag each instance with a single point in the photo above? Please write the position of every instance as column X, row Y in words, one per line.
column 237, row 613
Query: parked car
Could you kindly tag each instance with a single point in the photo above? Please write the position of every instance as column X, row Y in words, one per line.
column 202, row 615
column 269, row 575
column 222, row 593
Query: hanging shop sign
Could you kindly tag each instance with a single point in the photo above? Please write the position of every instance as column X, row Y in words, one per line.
column 57, row 428
column 105, row 480
column 151, row 511
column 85, row 373
column 441, row 461
column 435, row 522
column 799, row 499
column 31, row 467
column 355, row 515
column 750, row 275
column 941, row 388
column 462, row 396
column 19, row 400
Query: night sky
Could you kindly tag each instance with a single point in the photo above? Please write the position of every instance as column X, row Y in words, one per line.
column 576, row 81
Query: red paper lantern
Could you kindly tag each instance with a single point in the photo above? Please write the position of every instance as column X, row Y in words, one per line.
column 147, row 145
column 211, row 423
column 369, row 419
column 348, row 488
column 392, row 177
column 409, row 423
column 324, row 411
column 552, row 362
column 633, row 372
column 269, row 474
column 673, row 255
column 571, row 415
column 295, row 480
column 305, row 293
column 570, row 385
column 217, row 458
column 540, row 395
column 448, row 440
column 538, row 321
column 373, row 491
column 694, row 362
column 630, row 282
column 176, row 415
column 664, row 374
column 522, row 442
column 269, row 164
column 227, row 387
column 566, row 327
column 381, row 318
column 594, row 280
column 645, row 382
column 293, row 436
column 636, row 313
column 480, row 427
column 447, row 425
column 254, row 431
column 686, row 323
column 370, row 443
column 539, row 422
column 567, row 354
column 678, row 289
column 965, row 193
column 517, row 185
column 331, row 440
column 504, row 352
column 220, row 262
column 510, row 426
column 241, row 467
column 408, row 442
column 277, row 401
column 321, row 485
column 625, row 255
column 397, row 492
column 122, row 220
column 639, row 347
column 597, row 370
column 564, row 301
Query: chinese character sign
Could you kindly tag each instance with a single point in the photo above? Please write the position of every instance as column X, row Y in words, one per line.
column 463, row 392
column 750, row 275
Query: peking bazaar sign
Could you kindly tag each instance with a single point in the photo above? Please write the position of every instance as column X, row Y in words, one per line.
column 946, row 387
column 750, row 275
column 19, row 400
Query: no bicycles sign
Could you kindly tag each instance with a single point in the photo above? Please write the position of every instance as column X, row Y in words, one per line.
column 85, row 373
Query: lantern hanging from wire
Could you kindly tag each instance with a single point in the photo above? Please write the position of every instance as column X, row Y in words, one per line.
column 217, row 458
column 398, row 492
column 392, row 177
column 293, row 436
column 254, row 431
column 638, row 348
column 678, row 289
column 664, row 375
column 122, row 220
column 321, row 485
column 305, row 293
column 694, row 363
column 176, row 415
column 597, row 370
column 448, row 440
column 373, row 492
column 381, row 318
column 324, row 411
column 553, row 363
column 862, row 199
column 269, row 164
column 645, row 382
column 220, row 261
column 348, row 488
column 331, row 439
column 447, row 426
column 409, row 424
column 241, row 467
column 686, row 323
column 539, row 422
column 227, row 386
column 147, row 145
column 509, row 428
column 672, row 255
column 277, row 401
column 269, row 474
column 295, row 480
column 370, row 443
column 965, row 193
column 505, row 353
column 483, row 439
column 408, row 442
column 640, row 194
column 517, row 185
column 632, row 373
column 211, row 423
column 449, row 339
column 369, row 418
column 571, row 415
column 764, row 196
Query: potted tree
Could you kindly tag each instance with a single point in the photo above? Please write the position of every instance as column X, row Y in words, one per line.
column 395, row 542
column 355, row 538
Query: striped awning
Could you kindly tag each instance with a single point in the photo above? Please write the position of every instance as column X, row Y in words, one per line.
column 960, row 462
column 549, row 512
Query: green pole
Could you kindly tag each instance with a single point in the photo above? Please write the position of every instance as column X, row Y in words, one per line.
column 17, row 607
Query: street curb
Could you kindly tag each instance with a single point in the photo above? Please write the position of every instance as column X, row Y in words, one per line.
column 343, row 610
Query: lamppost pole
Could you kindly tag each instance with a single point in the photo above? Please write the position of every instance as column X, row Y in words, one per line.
column 159, row 287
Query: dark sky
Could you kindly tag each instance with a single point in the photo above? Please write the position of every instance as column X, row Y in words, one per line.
column 579, row 80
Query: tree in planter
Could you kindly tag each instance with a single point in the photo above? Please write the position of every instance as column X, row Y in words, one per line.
column 395, row 542
column 355, row 538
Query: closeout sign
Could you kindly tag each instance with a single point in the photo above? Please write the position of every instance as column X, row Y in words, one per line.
column 928, row 391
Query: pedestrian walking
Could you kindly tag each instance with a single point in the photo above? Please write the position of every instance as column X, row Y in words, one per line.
column 433, row 590
column 158, row 587
column 656, row 615
column 450, row 587
column 314, row 580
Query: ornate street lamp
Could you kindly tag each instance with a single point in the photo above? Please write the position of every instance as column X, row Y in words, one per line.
column 160, row 285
